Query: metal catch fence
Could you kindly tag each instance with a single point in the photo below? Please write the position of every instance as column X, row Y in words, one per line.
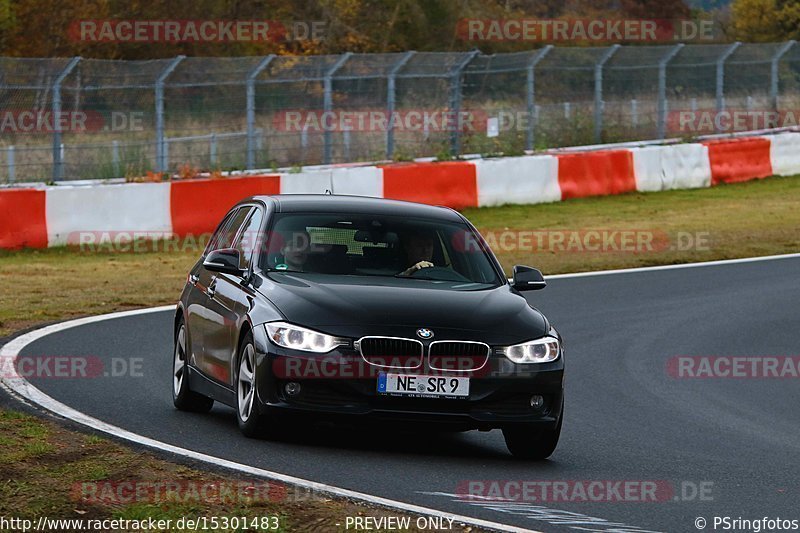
column 74, row 118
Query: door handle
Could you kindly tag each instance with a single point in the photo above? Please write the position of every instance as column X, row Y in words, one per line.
column 193, row 279
column 212, row 288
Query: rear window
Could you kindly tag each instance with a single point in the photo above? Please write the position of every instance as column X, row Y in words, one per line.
column 342, row 236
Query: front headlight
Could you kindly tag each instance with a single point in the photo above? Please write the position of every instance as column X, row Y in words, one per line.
column 300, row 338
column 542, row 350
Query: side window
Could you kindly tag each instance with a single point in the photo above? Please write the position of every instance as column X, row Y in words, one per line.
column 227, row 231
column 250, row 237
column 215, row 236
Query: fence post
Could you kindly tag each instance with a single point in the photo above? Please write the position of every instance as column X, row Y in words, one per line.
column 304, row 143
column 662, row 90
column 259, row 139
column 58, row 160
column 455, row 101
column 530, row 94
column 161, row 152
column 327, row 104
column 721, row 75
column 251, row 109
column 115, row 157
column 212, row 150
column 598, row 91
column 391, row 101
column 773, row 85
column 12, row 172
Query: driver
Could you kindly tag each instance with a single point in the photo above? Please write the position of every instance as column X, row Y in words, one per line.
column 418, row 247
column 295, row 250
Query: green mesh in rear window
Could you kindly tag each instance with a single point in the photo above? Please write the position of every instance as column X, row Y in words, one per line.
column 322, row 235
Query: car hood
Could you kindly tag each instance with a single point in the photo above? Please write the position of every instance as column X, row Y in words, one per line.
column 356, row 306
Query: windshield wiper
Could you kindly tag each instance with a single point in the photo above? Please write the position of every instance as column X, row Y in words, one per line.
column 423, row 278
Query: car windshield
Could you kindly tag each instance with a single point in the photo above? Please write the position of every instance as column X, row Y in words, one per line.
column 378, row 245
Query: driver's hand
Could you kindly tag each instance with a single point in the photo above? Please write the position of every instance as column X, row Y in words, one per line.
column 417, row 266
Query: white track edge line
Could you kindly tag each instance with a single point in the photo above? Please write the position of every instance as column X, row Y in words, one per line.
column 678, row 266
column 21, row 387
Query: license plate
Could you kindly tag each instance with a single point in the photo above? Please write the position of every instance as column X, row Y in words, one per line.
column 423, row 386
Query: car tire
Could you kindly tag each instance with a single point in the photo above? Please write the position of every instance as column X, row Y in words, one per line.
column 252, row 423
column 531, row 442
column 182, row 396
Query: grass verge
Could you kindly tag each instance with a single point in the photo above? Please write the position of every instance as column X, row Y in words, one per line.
column 740, row 220
column 46, row 470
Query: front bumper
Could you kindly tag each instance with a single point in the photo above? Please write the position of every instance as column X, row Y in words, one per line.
column 339, row 387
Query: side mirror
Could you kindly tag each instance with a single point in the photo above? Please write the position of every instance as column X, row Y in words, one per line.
column 528, row 279
column 225, row 261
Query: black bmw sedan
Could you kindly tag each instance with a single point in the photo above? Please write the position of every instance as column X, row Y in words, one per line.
column 368, row 311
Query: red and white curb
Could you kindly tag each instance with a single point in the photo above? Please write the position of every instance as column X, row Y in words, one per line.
column 38, row 217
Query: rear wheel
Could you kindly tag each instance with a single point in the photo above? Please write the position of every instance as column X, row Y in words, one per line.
column 251, row 422
column 532, row 443
column 182, row 396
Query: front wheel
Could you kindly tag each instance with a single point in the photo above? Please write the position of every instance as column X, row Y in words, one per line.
column 532, row 443
column 182, row 396
column 251, row 422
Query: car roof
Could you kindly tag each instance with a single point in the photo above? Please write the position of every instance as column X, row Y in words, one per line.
column 336, row 203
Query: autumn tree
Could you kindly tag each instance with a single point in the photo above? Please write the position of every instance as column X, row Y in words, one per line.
column 40, row 28
column 765, row 20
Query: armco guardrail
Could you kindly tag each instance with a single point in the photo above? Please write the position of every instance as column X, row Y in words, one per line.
column 58, row 215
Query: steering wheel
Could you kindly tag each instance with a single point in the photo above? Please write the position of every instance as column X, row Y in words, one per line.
column 438, row 273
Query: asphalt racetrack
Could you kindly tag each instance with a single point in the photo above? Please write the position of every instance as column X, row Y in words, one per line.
column 714, row 446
